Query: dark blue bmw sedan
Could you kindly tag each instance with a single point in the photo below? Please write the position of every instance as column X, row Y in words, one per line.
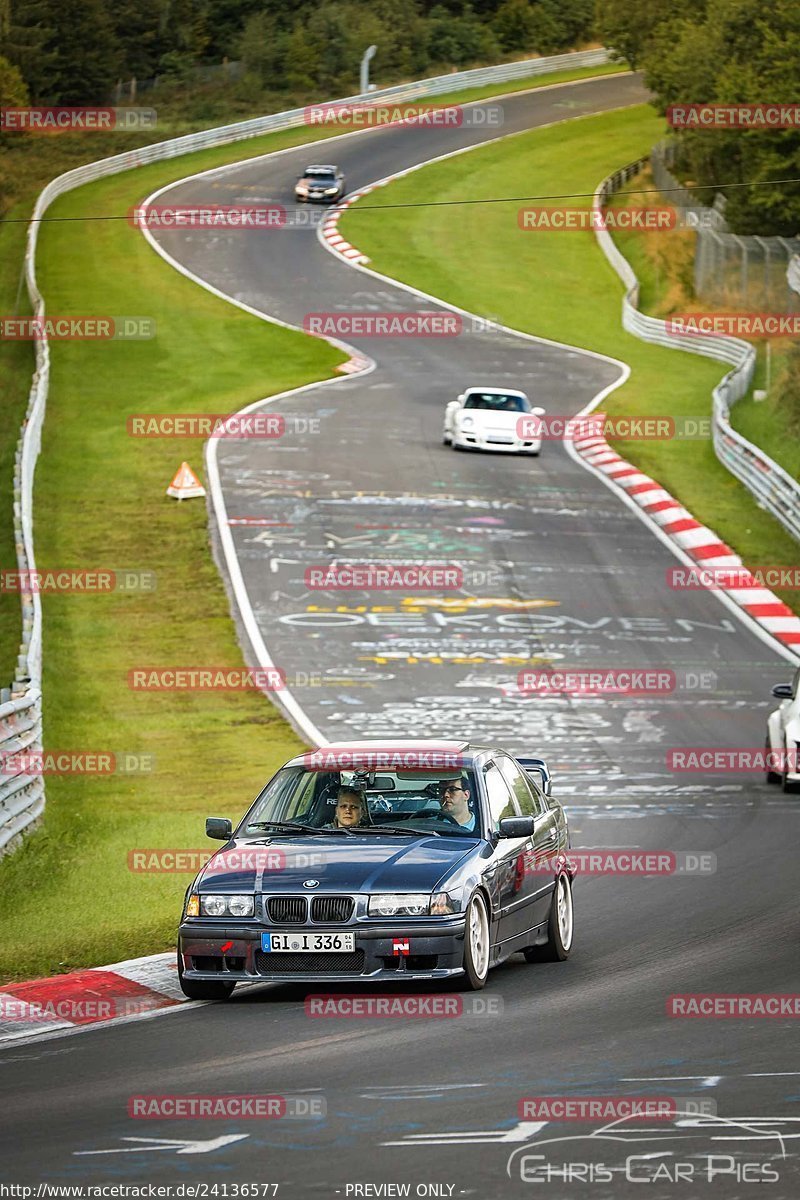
column 374, row 861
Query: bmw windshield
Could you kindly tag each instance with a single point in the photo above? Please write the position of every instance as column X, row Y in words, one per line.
column 394, row 801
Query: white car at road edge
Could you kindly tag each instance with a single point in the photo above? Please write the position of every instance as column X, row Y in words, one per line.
column 492, row 418
column 783, row 736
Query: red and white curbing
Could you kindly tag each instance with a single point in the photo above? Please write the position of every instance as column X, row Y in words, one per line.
column 694, row 539
column 98, row 995
column 331, row 235
column 354, row 365
column 330, row 228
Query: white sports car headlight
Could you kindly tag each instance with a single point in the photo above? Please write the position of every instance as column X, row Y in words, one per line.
column 467, row 422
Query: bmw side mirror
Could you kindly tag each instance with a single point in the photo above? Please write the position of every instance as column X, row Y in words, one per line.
column 218, row 828
column 516, row 827
column 782, row 691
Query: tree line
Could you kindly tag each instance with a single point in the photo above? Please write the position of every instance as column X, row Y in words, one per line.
column 73, row 51
column 722, row 52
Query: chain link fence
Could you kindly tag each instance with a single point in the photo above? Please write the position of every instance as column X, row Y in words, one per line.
column 731, row 271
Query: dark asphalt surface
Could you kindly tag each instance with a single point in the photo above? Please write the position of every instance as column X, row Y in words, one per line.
column 557, row 571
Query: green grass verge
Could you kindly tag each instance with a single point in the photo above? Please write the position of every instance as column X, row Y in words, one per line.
column 559, row 285
column 67, row 897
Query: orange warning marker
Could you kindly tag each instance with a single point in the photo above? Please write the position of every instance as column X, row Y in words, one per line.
column 185, row 484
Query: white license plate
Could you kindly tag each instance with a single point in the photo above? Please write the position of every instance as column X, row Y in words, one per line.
column 308, row 943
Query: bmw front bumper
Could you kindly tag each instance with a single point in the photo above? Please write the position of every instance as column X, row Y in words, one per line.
column 232, row 952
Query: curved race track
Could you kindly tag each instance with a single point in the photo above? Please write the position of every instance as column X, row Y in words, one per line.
column 557, row 570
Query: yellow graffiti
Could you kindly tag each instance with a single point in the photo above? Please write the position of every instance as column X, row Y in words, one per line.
column 419, row 604
column 462, row 602
column 465, row 660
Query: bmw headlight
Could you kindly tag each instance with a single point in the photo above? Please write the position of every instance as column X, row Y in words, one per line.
column 389, row 904
column 224, row 906
column 331, row 191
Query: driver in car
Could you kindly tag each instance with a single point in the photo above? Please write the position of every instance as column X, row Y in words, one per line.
column 454, row 800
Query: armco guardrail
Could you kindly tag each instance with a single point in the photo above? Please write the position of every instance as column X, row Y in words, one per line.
column 21, row 795
column 773, row 488
column 22, row 804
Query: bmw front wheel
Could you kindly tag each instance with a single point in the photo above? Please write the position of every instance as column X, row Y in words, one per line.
column 476, row 945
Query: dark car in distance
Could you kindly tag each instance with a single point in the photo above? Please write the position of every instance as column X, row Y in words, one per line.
column 323, row 184
column 383, row 861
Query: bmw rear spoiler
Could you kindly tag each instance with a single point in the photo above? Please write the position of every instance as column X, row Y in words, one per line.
column 538, row 770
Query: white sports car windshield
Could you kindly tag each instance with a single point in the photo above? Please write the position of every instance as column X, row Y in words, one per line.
column 496, row 402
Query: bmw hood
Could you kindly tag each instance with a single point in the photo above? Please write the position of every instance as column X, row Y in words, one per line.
column 368, row 862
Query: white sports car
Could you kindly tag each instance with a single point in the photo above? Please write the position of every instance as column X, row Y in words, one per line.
column 492, row 418
column 783, row 736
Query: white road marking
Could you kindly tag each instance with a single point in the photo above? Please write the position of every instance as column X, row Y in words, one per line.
column 520, row 1133
column 178, row 1145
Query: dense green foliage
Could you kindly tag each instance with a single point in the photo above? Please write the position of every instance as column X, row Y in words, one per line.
column 74, row 51
column 722, row 52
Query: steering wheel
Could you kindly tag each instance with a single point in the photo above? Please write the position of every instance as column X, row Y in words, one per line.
column 443, row 816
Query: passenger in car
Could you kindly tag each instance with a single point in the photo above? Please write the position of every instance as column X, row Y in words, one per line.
column 351, row 809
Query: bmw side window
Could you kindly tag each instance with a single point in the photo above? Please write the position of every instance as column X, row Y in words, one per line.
column 501, row 803
column 301, row 799
column 524, row 792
